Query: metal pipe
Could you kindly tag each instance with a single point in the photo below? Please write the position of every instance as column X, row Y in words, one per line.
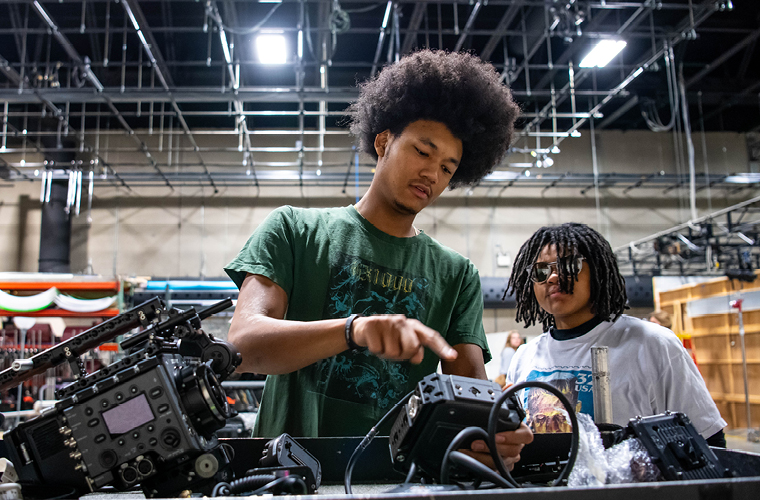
column 5, row 125
column 49, row 186
column 737, row 304
column 43, row 188
column 78, row 191
column 468, row 25
column 689, row 149
column 600, row 373
column 20, row 365
column 107, row 37
column 381, row 38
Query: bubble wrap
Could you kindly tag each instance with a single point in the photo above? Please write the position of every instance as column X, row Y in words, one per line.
column 627, row 462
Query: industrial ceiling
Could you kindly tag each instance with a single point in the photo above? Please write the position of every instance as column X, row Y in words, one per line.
column 182, row 81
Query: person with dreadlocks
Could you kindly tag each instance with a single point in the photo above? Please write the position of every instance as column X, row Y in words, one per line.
column 347, row 309
column 566, row 277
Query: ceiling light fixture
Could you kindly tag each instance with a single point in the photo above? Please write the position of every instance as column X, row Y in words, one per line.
column 603, row 53
column 271, row 49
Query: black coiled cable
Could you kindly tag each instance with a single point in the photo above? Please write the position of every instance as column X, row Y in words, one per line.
column 261, row 483
column 493, row 420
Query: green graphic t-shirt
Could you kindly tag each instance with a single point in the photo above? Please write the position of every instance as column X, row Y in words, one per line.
column 333, row 263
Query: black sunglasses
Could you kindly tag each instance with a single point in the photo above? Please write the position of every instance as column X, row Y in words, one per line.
column 540, row 271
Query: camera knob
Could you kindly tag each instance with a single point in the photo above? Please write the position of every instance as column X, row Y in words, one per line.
column 76, row 455
column 80, row 467
column 65, row 431
column 71, row 443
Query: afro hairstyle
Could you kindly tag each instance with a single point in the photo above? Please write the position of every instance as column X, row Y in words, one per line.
column 453, row 88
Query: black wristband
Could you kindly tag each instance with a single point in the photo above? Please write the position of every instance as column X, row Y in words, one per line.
column 349, row 338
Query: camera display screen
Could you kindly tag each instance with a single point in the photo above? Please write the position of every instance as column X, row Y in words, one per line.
column 129, row 415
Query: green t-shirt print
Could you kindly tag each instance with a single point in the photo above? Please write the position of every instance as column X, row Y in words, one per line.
column 360, row 286
column 333, row 263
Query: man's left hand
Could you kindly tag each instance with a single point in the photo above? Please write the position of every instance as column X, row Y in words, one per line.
column 509, row 444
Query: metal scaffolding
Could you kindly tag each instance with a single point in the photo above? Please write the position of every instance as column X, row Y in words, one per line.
column 174, row 74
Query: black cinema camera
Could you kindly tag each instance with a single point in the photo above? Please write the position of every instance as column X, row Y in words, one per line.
column 440, row 407
column 148, row 419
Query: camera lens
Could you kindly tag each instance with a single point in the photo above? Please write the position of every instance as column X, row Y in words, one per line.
column 203, row 399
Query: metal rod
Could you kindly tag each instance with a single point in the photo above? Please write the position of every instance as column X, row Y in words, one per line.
column 689, row 149
column 78, row 191
column 107, row 34
column 124, row 53
column 5, row 125
column 21, row 385
column 737, row 304
column 49, row 186
column 600, row 373
column 43, row 188
column 381, row 37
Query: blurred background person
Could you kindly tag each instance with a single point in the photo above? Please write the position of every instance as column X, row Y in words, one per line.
column 514, row 340
column 661, row 318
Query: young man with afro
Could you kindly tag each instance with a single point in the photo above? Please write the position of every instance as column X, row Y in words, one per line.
column 566, row 277
column 346, row 309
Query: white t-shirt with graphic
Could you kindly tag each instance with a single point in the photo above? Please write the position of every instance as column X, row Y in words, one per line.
column 650, row 372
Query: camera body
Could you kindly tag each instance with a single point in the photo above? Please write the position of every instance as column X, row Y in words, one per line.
column 440, row 407
column 148, row 419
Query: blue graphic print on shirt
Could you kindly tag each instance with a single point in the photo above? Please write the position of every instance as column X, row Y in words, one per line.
column 545, row 412
column 359, row 286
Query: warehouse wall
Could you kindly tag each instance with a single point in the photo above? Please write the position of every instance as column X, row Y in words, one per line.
column 192, row 232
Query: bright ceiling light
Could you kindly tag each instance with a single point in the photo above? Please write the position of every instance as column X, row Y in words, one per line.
column 271, row 49
column 603, row 53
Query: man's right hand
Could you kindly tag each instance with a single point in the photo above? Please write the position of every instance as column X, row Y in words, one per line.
column 394, row 336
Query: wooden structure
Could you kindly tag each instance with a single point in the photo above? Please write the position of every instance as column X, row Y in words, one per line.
column 715, row 339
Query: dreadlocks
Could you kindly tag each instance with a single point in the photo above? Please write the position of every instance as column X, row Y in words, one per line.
column 608, row 296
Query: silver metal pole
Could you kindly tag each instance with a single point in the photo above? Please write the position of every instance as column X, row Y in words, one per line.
column 689, row 149
column 600, row 374
column 20, row 398
column 737, row 304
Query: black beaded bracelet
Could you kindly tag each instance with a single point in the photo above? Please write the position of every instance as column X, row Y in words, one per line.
column 349, row 338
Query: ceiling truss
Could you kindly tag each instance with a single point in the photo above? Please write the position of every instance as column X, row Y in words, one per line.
column 169, row 74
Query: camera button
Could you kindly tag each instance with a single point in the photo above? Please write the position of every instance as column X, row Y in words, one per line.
column 156, row 392
column 104, row 403
column 153, row 441
column 133, row 389
column 121, row 442
column 100, row 438
column 136, row 435
column 119, row 396
column 88, row 411
column 163, row 408
column 150, row 428
column 93, row 422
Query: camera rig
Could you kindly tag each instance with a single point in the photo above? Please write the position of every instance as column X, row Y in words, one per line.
column 148, row 419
